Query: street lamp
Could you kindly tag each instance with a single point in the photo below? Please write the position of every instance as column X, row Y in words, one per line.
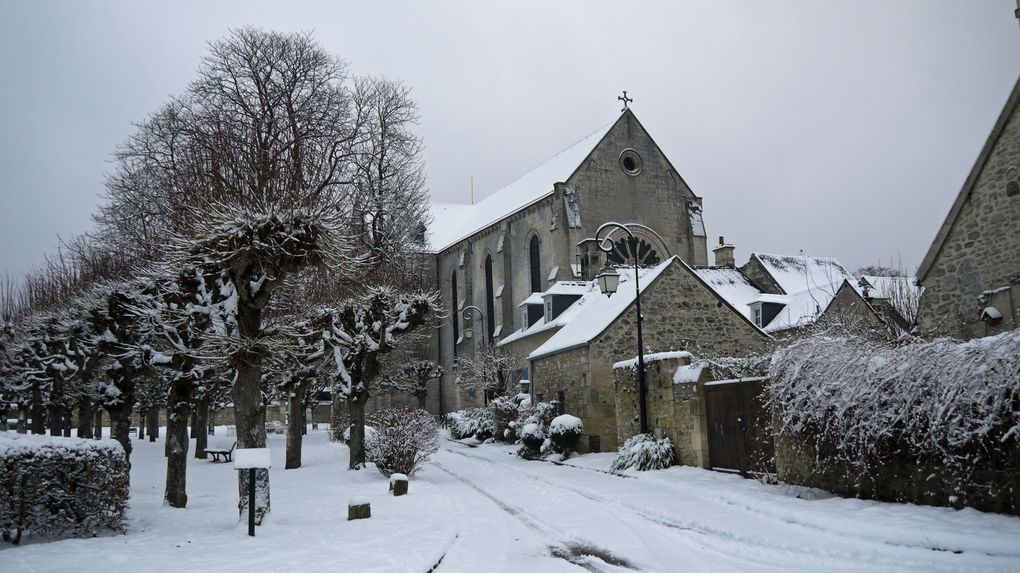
column 467, row 317
column 609, row 279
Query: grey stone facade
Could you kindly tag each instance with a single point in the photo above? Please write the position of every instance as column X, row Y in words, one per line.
column 974, row 262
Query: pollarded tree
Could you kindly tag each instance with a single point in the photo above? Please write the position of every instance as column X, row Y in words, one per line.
column 355, row 336
column 252, row 168
column 413, row 378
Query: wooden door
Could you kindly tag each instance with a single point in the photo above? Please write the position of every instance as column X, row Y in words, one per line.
column 739, row 436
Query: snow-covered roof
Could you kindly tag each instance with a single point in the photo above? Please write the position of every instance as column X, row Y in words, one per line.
column 796, row 273
column 452, row 222
column 568, row 288
column 594, row 312
column 732, row 285
column 810, row 283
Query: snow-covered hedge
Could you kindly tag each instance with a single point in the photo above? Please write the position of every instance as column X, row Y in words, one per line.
column 60, row 487
column 471, row 422
column 565, row 432
column 643, row 452
column 403, row 440
column 863, row 404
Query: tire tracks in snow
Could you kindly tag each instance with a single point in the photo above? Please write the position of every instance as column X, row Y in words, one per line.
column 711, row 537
column 563, row 550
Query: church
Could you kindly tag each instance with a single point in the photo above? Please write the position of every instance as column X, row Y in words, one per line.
column 516, row 270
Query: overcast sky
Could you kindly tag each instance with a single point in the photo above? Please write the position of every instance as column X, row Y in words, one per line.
column 839, row 128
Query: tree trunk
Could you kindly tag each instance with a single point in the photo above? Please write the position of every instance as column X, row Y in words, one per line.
column 421, row 401
column 99, row 423
column 4, row 407
column 201, row 429
column 22, row 426
column 294, row 429
column 249, row 418
column 212, row 420
column 68, row 421
column 141, row 422
column 315, row 421
column 38, row 414
column 120, row 427
column 356, row 408
column 152, row 421
column 85, row 418
column 166, row 442
column 55, row 408
column 178, row 416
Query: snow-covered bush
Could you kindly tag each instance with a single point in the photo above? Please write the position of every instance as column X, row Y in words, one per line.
column 60, row 487
column 369, row 434
column 864, row 404
column 471, row 422
column 403, row 440
column 565, row 433
column 643, row 452
column 532, row 436
column 504, row 411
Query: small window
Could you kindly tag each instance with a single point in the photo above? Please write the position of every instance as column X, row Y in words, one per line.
column 548, row 310
column 756, row 314
column 630, row 162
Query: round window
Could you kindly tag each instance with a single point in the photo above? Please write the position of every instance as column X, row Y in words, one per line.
column 630, row 162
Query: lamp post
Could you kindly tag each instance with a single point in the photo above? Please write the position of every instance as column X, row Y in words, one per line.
column 609, row 280
column 467, row 317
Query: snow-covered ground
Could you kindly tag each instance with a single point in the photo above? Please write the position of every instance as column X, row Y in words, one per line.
column 482, row 509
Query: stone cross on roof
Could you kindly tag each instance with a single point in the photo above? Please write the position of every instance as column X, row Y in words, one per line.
column 625, row 100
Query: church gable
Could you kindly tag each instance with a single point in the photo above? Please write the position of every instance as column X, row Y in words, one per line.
column 628, row 178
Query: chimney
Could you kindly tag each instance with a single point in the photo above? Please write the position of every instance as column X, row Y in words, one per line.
column 723, row 254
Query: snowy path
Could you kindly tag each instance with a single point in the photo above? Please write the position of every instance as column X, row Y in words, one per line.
column 482, row 510
column 685, row 523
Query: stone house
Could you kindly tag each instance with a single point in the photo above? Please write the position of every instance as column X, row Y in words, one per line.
column 574, row 350
column 971, row 273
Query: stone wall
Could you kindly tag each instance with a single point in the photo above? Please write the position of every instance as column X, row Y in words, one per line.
column 981, row 250
column 902, row 481
column 676, row 411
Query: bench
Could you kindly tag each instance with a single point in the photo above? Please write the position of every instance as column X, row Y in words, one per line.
column 222, row 455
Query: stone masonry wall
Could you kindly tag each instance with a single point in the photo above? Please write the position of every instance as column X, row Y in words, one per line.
column 676, row 411
column 982, row 249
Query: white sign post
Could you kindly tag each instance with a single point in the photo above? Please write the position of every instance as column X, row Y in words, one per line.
column 251, row 459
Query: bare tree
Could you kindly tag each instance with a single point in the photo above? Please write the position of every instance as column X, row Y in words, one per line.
column 488, row 370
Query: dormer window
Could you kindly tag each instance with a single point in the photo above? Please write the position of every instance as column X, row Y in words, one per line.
column 548, row 309
column 756, row 315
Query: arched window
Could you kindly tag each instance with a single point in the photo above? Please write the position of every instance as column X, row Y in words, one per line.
column 490, row 302
column 536, row 265
column 454, row 312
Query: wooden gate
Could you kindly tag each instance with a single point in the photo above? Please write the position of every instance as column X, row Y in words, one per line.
column 739, row 432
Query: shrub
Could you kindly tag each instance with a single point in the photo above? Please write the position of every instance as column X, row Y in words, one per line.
column 565, row 433
column 403, row 440
column 60, row 487
column 532, row 436
column 472, row 422
column 504, row 412
column 643, row 452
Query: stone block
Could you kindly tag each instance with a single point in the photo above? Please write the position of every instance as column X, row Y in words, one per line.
column 398, row 484
column 358, row 509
